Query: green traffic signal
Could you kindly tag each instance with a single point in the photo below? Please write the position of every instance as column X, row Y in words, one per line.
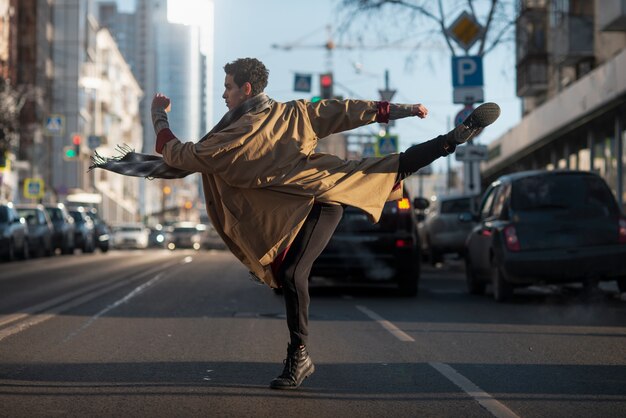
column 315, row 99
column 70, row 153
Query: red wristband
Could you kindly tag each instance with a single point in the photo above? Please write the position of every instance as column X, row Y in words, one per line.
column 382, row 112
column 163, row 137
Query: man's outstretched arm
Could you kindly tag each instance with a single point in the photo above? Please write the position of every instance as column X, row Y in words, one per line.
column 333, row 116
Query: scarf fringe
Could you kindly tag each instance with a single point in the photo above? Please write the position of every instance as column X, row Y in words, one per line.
column 98, row 161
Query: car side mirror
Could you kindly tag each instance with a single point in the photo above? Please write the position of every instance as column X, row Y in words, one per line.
column 467, row 217
column 420, row 203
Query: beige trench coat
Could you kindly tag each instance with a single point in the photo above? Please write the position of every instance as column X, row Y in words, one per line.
column 261, row 175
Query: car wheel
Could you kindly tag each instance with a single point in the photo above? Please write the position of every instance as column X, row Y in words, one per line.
column 474, row 286
column 89, row 246
column 621, row 284
column 10, row 256
column 42, row 251
column 408, row 286
column 25, row 254
column 408, row 281
column 502, row 290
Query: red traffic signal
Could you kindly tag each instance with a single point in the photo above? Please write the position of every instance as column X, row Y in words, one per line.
column 76, row 139
column 326, row 85
column 326, row 80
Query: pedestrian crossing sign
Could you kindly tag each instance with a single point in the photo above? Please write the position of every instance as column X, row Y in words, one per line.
column 386, row 145
column 302, row 82
column 368, row 150
column 33, row 188
column 54, row 125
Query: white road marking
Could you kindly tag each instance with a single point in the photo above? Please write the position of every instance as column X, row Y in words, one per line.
column 394, row 330
column 49, row 309
column 115, row 304
column 496, row 408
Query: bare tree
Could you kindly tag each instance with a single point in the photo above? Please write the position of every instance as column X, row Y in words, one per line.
column 12, row 100
column 405, row 18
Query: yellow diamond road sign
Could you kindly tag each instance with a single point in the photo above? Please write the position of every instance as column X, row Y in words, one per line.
column 465, row 30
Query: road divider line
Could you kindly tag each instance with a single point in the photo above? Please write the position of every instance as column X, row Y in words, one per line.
column 394, row 330
column 41, row 316
column 496, row 408
column 493, row 406
column 7, row 319
column 115, row 304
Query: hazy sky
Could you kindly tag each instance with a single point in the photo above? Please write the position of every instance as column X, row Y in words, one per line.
column 249, row 28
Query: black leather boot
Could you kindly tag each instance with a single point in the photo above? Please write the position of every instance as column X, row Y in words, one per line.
column 484, row 115
column 298, row 366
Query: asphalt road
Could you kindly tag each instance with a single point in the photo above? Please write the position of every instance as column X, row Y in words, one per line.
column 168, row 334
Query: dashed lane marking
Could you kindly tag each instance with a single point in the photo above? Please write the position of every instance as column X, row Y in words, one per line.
column 394, row 330
column 496, row 408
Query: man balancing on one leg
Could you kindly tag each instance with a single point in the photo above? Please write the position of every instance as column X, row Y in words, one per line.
column 272, row 198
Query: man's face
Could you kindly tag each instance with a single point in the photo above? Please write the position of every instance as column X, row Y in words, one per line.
column 233, row 94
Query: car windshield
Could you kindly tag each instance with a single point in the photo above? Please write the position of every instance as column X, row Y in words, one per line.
column 129, row 229
column 185, row 229
column 457, row 205
column 29, row 214
column 56, row 214
column 563, row 192
column 77, row 217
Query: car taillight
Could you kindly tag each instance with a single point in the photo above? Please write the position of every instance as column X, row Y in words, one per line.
column 404, row 204
column 403, row 243
column 510, row 239
column 622, row 230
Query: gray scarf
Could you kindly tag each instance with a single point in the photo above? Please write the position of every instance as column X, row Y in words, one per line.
column 130, row 163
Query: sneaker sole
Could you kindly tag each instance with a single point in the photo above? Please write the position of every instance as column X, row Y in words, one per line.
column 483, row 115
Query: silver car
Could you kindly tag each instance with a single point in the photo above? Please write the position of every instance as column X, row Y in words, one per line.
column 441, row 232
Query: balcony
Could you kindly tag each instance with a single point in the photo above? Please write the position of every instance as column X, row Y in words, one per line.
column 612, row 15
column 532, row 75
column 572, row 39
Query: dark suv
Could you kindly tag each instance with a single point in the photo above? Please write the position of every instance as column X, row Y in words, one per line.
column 546, row 227
column 362, row 251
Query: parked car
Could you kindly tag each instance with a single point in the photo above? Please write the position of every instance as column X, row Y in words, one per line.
column 534, row 227
column 101, row 230
column 441, row 232
column 63, row 223
column 364, row 252
column 13, row 233
column 40, row 229
column 209, row 238
column 157, row 236
column 84, row 232
column 130, row 235
column 184, row 235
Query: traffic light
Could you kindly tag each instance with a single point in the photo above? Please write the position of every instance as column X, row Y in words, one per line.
column 69, row 153
column 76, row 140
column 326, row 85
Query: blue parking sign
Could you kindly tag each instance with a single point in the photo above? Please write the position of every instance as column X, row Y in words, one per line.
column 467, row 71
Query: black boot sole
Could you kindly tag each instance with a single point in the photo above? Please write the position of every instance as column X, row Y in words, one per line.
column 483, row 115
column 308, row 373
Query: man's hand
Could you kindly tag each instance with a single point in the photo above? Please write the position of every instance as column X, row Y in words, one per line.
column 161, row 101
column 419, row 110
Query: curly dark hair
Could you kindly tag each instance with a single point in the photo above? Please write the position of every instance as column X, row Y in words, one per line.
column 248, row 70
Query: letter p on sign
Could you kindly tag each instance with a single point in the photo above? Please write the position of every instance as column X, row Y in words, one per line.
column 467, row 71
